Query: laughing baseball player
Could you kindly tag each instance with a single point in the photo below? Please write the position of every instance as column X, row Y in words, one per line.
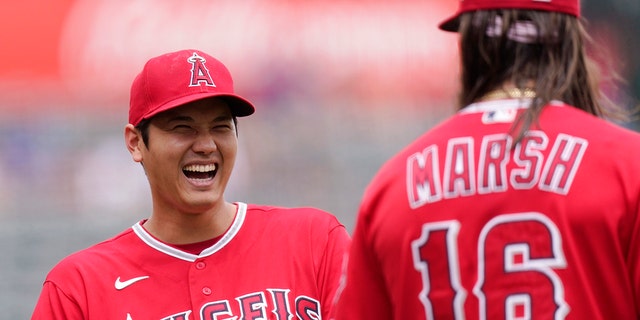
column 523, row 205
column 198, row 256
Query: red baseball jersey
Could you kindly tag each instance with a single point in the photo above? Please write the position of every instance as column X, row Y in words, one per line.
column 272, row 263
column 466, row 224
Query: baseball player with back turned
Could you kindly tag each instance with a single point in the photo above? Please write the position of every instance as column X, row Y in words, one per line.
column 198, row 256
column 524, row 204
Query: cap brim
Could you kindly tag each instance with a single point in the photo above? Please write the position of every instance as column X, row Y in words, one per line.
column 452, row 24
column 239, row 106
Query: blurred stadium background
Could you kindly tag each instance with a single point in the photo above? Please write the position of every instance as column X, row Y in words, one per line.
column 339, row 85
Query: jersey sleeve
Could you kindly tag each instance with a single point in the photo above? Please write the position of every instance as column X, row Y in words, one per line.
column 633, row 260
column 363, row 295
column 334, row 257
column 53, row 304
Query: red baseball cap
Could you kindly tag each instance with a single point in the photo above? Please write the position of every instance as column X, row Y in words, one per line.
column 180, row 77
column 571, row 7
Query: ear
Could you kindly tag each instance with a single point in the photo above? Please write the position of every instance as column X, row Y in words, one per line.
column 133, row 140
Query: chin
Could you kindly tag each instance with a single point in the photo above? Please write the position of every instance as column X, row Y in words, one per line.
column 202, row 204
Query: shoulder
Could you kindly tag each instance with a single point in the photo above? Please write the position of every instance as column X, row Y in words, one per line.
column 312, row 229
column 297, row 213
column 83, row 261
column 597, row 131
column 292, row 218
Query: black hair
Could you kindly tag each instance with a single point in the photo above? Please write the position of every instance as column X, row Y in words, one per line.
column 554, row 64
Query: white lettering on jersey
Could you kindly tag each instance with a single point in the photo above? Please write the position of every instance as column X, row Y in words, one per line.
column 519, row 256
column 423, row 177
column 458, row 168
column 528, row 261
column 563, row 162
column 492, row 169
column 256, row 305
column 499, row 167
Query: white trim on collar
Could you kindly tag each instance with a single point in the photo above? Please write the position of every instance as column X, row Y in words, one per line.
column 493, row 105
column 169, row 250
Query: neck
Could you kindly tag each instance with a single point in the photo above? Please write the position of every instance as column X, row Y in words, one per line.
column 180, row 228
column 509, row 93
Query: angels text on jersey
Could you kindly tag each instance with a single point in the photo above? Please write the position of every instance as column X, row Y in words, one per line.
column 272, row 304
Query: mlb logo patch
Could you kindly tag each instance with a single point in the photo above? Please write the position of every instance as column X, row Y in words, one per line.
column 499, row 116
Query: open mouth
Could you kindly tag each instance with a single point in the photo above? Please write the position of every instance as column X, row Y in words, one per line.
column 200, row 171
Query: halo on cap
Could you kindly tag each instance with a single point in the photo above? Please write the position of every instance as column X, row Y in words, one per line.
column 177, row 78
column 571, row 7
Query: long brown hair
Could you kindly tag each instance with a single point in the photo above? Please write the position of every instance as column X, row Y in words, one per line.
column 555, row 64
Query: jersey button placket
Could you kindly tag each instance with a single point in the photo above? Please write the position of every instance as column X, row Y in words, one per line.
column 200, row 266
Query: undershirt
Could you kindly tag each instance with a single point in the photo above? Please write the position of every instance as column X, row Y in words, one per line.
column 193, row 248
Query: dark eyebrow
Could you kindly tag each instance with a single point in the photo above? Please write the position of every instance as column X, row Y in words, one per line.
column 180, row 118
column 224, row 117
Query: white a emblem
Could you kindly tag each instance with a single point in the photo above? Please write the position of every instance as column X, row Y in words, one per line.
column 199, row 72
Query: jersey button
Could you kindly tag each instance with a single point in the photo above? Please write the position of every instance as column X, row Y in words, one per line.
column 200, row 265
column 206, row 291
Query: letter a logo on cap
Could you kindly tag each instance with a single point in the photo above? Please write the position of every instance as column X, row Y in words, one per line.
column 199, row 72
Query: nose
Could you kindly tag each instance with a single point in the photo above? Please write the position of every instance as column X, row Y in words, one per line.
column 204, row 144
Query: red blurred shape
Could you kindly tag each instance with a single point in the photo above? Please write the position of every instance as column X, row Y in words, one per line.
column 29, row 33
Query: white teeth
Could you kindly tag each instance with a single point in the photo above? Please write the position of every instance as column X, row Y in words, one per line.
column 200, row 167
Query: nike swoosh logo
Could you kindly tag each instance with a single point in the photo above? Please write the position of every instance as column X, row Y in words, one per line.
column 123, row 284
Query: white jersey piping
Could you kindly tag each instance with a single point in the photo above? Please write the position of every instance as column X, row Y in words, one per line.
column 166, row 249
column 484, row 106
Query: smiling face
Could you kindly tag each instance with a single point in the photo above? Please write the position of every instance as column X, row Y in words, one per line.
column 189, row 156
